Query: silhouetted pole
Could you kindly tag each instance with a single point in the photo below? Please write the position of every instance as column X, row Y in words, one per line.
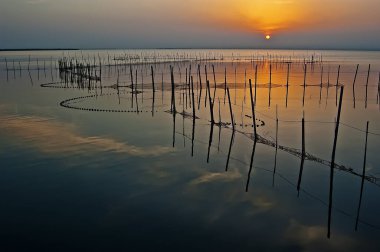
column 225, row 84
column 255, row 84
column 192, row 97
column 131, row 73
column 378, row 91
column 363, row 177
column 287, row 85
column 332, row 165
column 270, row 83
column 320, row 88
column 253, row 109
column 275, row 156
column 210, row 103
column 250, row 166
column 353, row 84
column 304, row 85
column 336, row 87
column 231, row 114
column 303, row 155
column 173, row 108
column 366, row 86
column 230, row 148
column 151, row 68
column 210, row 142
column 213, row 98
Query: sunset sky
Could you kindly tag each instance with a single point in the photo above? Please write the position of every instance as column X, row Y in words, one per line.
column 300, row 24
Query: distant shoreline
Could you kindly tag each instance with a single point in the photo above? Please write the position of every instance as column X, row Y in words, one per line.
column 179, row 48
column 41, row 49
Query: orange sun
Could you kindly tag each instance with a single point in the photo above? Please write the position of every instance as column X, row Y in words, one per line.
column 267, row 37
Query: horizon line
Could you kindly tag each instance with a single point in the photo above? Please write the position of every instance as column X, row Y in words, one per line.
column 186, row 48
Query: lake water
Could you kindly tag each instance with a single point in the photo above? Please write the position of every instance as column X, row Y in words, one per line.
column 95, row 161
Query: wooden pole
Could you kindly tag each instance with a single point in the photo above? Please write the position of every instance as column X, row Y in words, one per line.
column 213, row 98
column 366, row 86
column 231, row 143
column 173, row 108
column 363, row 178
column 332, row 164
column 207, row 91
column 303, row 155
column 245, row 83
column 336, row 87
column 131, row 74
column 304, row 85
column 255, row 84
column 210, row 141
column 189, row 87
column 192, row 96
column 250, row 166
column 253, row 110
column 353, row 84
column 287, row 85
column 270, row 83
column 231, row 114
column 152, row 72
column 235, row 86
column 321, row 85
column 378, row 91
column 275, row 156
column 210, row 103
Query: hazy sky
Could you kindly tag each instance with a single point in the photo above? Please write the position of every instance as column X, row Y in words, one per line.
column 190, row 24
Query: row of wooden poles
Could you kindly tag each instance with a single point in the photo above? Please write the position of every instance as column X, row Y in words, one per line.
column 255, row 135
column 337, row 84
column 211, row 101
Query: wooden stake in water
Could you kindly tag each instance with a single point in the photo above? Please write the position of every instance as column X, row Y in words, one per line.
column 192, row 97
column 245, row 83
column 225, row 84
column 231, row 143
column 366, row 86
column 378, row 91
column 231, row 114
column 275, row 156
column 304, row 85
column 363, row 177
column 131, row 74
column 251, row 165
column 151, row 68
column 353, row 84
column 303, row 155
column 255, row 84
column 213, row 98
column 173, row 108
column 253, row 110
column 336, row 87
column 207, row 91
column 189, row 88
column 270, row 82
column 320, row 88
column 287, row 85
column 332, row 164
column 235, row 86
column 210, row 141
column 210, row 103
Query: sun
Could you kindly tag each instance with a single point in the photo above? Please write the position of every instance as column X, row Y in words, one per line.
column 267, row 37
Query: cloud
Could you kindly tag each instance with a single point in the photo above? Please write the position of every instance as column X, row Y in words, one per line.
column 209, row 177
column 313, row 238
column 52, row 137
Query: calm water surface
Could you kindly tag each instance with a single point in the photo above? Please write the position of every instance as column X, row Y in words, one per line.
column 91, row 165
